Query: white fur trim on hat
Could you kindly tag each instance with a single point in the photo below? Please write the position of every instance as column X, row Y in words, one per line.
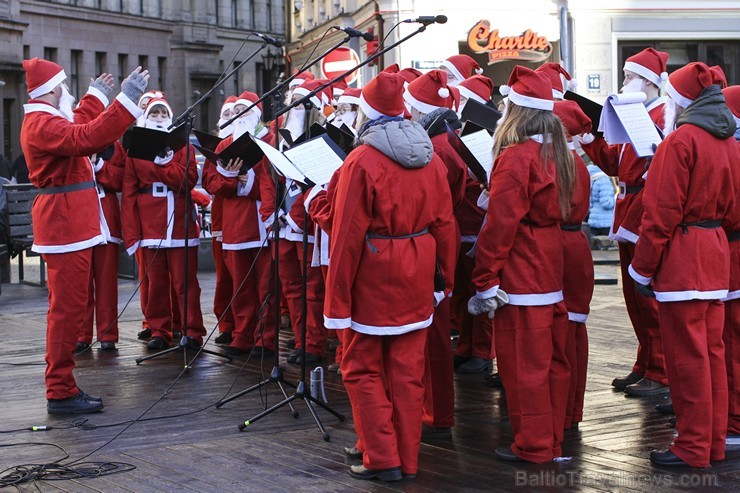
column 504, row 90
column 420, row 105
column 643, row 72
column 296, row 82
column 371, row 112
column 557, row 94
column 315, row 99
column 248, row 104
column 465, row 92
column 343, row 99
column 49, row 85
column 451, row 67
column 530, row 102
column 677, row 98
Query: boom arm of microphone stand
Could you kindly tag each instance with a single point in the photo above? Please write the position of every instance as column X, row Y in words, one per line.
column 311, row 94
column 186, row 114
column 285, row 82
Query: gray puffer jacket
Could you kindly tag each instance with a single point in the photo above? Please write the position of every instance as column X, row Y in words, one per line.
column 405, row 142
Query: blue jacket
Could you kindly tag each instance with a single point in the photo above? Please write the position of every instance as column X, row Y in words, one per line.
column 603, row 199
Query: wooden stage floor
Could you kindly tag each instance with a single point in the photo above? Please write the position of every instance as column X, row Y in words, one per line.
column 202, row 450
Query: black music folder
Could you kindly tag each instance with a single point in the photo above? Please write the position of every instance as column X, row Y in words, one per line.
column 591, row 108
column 480, row 114
column 244, row 147
column 207, row 140
column 147, row 143
column 342, row 136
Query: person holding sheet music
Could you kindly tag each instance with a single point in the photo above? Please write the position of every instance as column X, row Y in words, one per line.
column 428, row 101
column 392, row 222
column 243, row 234
column 643, row 72
column 578, row 278
column 153, row 210
column 683, row 258
column 519, row 266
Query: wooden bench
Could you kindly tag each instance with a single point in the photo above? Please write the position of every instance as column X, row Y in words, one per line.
column 20, row 199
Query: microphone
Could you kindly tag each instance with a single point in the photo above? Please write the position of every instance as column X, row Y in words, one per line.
column 354, row 33
column 270, row 40
column 428, row 19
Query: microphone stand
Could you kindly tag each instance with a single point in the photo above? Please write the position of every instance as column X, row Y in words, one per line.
column 187, row 118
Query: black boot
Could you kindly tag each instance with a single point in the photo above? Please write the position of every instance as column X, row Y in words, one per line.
column 77, row 404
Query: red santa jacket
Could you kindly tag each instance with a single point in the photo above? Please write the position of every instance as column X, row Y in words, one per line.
column 109, row 178
column 457, row 171
column 578, row 273
column 520, row 247
column 153, row 203
column 56, row 151
column 731, row 226
column 385, row 286
column 241, row 226
column 621, row 161
column 690, row 180
column 468, row 215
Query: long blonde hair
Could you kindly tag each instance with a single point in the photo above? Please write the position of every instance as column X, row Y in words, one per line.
column 520, row 123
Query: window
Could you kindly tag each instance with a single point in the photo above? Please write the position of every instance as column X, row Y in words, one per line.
column 218, row 16
column 234, row 13
column 144, row 62
column 26, row 52
column 100, row 62
column 269, row 16
column 141, row 7
column 252, row 14
column 50, row 54
column 236, row 79
column 74, row 73
column 122, row 67
column 162, row 70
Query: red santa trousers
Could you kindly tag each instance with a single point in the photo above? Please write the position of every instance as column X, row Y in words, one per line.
column 576, row 350
column 143, row 285
column 166, row 265
column 643, row 313
column 250, row 288
column 383, row 378
column 102, row 304
column 530, row 345
column 337, row 333
column 439, row 384
column 68, row 281
column 224, row 290
column 731, row 338
column 695, row 360
column 475, row 332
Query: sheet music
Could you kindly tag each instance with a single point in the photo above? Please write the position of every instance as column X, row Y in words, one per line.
column 480, row 144
column 281, row 163
column 626, row 120
column 315, row 159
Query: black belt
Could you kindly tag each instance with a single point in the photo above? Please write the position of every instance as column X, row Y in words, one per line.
column 734, row 236
column 162, row 189
column 376, row 236
column 571, row 227
column 85, row 185
column 709, row 224
column 633, row 189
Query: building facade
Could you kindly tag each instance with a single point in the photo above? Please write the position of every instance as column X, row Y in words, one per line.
column 185, row 44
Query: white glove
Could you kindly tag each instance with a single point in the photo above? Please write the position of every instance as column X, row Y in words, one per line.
column 483, row 200
column 438, row 297
column 586, row 138
column 164, row 160
column 477, row 306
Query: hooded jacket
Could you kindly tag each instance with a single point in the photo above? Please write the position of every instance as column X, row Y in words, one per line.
column 710, row 112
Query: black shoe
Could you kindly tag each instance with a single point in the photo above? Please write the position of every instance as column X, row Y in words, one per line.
column 194, row 344
column 235, row 351
column 646, row 388
column 621, row 382
column 505, row 453
column 157, row 343
column 108, row 345
column 144, row 335
column 732, row 443
column 309, row 358
column 494, row 380
column 431, row 433
column 176, row 335
column 458, row 360
column 665, row 408
column 475, row 365
column 391, row 474
column 263, row 351
column 353, row 453
column 89, row 397
column 81, row 347
column 290, row 344
column 666, row 458
column 293, row 357
column 334, row 368
column 223, row 339
column 77, row 404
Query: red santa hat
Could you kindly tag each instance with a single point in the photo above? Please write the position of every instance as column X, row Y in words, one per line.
column 574, row 119
column 248, row 99
column 462, row 66
column 477, row 87
column 529, row 89
column 308, row 87
column 732, row 98
column 382, row 96
column 719, row 76
column 338, row 88
column 42, row 76
column 429, row 92
column 327, row 93
column 350, row 96
column 453, row 102
column 686, row 84
column 154, row 93
column 301, row 77
column 650, row 64
column 408, row 74
column 559, row 78
column 157, row 102
column 228, row 104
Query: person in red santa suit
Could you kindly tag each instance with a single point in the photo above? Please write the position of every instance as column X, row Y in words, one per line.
column 731, row 333
column 578, row 274
column 428, row 101
column 291, row 223
column 224, row 287
column 683, row 258
column 66, row 214
column 520, row 253
column 153, row 209
column 643, row 72
column 392, row 224
column 460, row 67
column 243, row 233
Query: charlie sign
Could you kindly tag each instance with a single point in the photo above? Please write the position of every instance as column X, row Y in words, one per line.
column 528, row 47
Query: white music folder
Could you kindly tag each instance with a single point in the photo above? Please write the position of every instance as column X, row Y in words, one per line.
column 312, row 163
column 626, row 120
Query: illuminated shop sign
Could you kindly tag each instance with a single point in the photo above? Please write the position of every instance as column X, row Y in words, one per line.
column 527, row 47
